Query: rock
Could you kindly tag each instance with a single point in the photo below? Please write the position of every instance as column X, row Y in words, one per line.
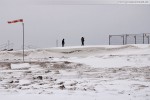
column 19, row 87
column 47, row 71
column 40, row 77
column 60, row 83
column 11, row 81
column 41, row 84
column 57, row 72
column 62, row 87
column 17, row 81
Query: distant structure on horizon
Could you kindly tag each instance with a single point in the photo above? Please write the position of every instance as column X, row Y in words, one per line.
column 129, row 39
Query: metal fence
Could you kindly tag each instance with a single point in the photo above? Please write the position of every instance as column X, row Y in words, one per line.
column 129, row 39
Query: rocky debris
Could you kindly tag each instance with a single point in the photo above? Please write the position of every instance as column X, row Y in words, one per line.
column 41, row 83
column 67, row 62
column 74, row 77
column 11, row 81
column 62, row 87
column 60, row 83
column 40, row 77
column 28, row 71
column 19, row 87
column 47, row 71
column 57, row 72
column 16, row 81
column 72, row 84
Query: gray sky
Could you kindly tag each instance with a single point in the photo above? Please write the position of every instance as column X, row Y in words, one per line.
column 45, row 22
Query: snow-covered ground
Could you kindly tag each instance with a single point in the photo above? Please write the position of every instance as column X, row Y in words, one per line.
column 120, row 72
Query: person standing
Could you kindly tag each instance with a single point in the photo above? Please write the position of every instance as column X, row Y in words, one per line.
column 63, row 42
column 82, row 41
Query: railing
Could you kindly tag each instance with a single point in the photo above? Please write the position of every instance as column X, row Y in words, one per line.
column 130, row 38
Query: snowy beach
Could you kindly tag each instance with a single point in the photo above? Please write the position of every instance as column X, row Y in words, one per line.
column 120, row 72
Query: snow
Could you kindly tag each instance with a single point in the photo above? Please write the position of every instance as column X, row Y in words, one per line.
column 20, row 66
column 120, row 72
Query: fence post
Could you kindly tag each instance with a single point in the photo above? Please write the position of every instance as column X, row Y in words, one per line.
column 109, row 39
column 126, row 38
column 135, row 39
column 143, row 38
column 123, row 39
column 148, row 39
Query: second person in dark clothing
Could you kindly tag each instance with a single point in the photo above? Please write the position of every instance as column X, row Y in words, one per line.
column 82, row 41
column 63, row 42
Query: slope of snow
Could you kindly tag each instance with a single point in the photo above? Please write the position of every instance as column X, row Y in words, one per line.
column 90, row 72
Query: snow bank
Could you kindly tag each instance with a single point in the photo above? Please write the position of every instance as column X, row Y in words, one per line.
column 20, row 66
column 77, row 51
column 75, row 73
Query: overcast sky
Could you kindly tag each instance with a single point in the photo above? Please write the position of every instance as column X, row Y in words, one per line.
column 46, row 22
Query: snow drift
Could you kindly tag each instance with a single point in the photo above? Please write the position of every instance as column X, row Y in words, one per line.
column 89, row 72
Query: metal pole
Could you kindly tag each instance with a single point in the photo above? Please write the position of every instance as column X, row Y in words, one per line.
column 23, row 40
column 123, row 39
column 148, row 39
column 135, row 39
column 109, row 39
column 126, row 38
column 143, row 38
